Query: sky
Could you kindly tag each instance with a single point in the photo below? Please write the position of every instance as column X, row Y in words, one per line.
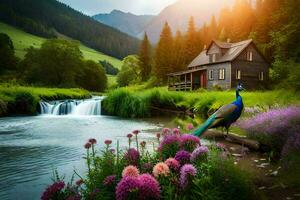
column 140, row 7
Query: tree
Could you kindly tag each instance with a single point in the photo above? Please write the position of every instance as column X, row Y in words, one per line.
column 179, row 56
column 164, row 55
column 92, row 77
column 8, row 60
column 213, row 29
column 109, row 68
column 145, row 58
column 192, row 45
column 130, row 71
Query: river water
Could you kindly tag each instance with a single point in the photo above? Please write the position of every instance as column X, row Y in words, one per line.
column 32, row 147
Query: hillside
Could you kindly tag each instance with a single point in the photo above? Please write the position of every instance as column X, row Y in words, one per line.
column 179, row 13
column 48, row 17
column 125, row 22
column 23, row 40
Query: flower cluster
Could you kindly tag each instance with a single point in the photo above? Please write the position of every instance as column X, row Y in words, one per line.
column 187, row 172
column 53, row 190
column 161, row 169
column 132, row 157
column 109, row 180
column 199, row 153
column 130, row 171
column 183, row 157
column 172, row 164
column 189, row 142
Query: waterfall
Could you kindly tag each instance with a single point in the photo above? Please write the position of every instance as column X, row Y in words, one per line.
column 72, row 107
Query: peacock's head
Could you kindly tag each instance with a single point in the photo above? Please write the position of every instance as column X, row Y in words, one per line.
column 240, row 87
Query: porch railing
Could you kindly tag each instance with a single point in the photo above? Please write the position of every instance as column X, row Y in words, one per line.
column 180, row 86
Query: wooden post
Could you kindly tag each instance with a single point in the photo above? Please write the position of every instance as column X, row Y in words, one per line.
column 191, row 80
column 185, row 84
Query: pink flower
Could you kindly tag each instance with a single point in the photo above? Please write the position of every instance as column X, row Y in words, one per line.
column 87, row 145
column 166, row 131
column 109, row 180
column 161, row 169
column 92, row 141
column 176, row 131
column 172, row 163
column 135, row 132
column 131, row 171
column 190, row 127
column 107, row 142
column 79, row 182
column 129, row 135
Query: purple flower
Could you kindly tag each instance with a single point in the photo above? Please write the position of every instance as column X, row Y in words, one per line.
column 126, row 186
column 187, row 172
column 132, row 157
column 52, row 190
column 199, row 153
column 166, row 131
column 169, row 145
column 172, row 163
column 109, row 180
column 87, row 145
column 190, row 127
column 149, row 187
column 189, row 142
column 92, row 141
column 147, row 167
column 183, row 157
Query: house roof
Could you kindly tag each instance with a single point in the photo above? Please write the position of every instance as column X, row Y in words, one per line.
column 233, row 50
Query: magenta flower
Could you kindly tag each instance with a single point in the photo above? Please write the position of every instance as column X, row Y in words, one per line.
column 149, row 187
column 107, row 142
column 136, row 132
column 221, row 146
column 92, row 141
column 199, row 154
column 109, row 180
column 190, row 127
column 187, row 172
column 172, row 163
column 132, row 157
column 52, row 190
column 169, row 145
column 129, row 135
column 126, row 187
column 74, row 197
column 158, row 135
column 79, row 182
column 189, row 142
column 87, row 145
column 183, row 157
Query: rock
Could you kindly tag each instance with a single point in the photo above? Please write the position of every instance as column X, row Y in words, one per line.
column 232, row 148
column 262, row 188
column 237, row 155
column 263, row 159
column 275, row 173
column 256, row 161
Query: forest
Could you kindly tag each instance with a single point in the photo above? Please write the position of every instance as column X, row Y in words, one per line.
column 50, row 18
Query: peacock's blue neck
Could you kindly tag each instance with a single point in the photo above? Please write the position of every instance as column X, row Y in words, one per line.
column 239, row 100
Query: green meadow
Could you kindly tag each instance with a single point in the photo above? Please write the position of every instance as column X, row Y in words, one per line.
column 23, row 40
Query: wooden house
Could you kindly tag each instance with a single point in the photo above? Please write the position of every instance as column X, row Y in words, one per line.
column 223, row 65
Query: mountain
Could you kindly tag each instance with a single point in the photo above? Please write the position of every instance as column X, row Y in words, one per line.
column 49, row 18
column 179, row 13
column 125, row 22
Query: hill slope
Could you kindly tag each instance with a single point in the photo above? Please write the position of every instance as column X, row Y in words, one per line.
column 48, row 17
column 179, row 13
column 125, row 22
column 24, row 40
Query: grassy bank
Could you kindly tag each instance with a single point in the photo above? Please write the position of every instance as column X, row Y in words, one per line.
column 24, row 100
column 23, row 40
column 139, row 102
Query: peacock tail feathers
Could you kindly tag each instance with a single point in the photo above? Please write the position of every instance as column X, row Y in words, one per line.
column 205, row 125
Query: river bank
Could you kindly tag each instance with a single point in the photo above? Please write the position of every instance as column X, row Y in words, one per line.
column 24, row 100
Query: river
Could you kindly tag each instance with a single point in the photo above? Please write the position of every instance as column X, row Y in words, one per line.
column 32, row 147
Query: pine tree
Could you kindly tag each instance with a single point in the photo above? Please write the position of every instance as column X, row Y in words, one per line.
column 164, row 55
column 145, row 58
column 225, row 24
column 192, row 44
column 179, row 56
column 213, row 30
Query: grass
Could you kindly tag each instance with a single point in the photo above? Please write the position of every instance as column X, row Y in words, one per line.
column 111, row 81
column 23, row 40
column 137, row 102
column 16, row 99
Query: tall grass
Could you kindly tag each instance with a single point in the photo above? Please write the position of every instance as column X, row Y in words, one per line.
column 137, row 102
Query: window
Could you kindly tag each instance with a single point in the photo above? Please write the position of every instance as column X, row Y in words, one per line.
column 249, row 55
column 221, row 74
column 238, row 74
column 210, row 75
column 213, row 58
column 261, row 76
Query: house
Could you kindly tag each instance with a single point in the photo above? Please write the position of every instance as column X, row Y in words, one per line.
column 223, row 65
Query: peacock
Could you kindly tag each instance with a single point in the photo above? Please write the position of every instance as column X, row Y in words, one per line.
column 224, row 116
